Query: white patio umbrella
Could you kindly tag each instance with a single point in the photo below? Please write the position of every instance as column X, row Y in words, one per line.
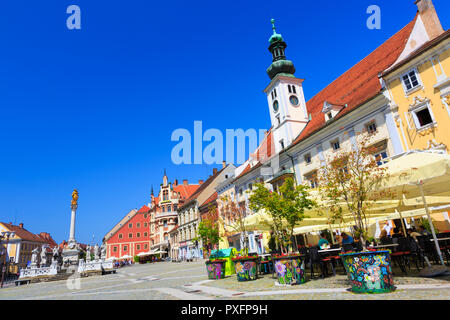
column 420, row 174
column 142, row 254
column 125, row 257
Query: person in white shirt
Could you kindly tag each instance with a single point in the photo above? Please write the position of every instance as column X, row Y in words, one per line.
column 388, row 228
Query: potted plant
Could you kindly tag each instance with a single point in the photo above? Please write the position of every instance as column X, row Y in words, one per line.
column 215, row 268
column 246, row 267
column 350, row 181
column 286, row 209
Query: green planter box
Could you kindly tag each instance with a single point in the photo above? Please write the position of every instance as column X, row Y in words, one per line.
column 289, row 269
column 246, row 269
column 215, row 270
column 369, row 272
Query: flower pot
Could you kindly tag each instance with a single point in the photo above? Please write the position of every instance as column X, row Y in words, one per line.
column 215, row 269
column 289, row 270
column 369, row 272
column 246, row 269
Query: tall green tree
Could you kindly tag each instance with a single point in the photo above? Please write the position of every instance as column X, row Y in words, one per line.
column 286, row 208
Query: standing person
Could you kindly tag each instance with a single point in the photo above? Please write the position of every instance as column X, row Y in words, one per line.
column 388, row 228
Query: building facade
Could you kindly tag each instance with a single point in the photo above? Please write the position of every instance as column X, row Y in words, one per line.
column 189, row 214
column 130, row 236
column 21, row 245
column 163, row 209
column 419, row 84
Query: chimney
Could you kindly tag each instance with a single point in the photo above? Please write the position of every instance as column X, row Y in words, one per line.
column 430, row 18
column 224, row 164
column 175, row 183
column 214, row 171
column 21, row 225
column 185, row 182
column 200, row 181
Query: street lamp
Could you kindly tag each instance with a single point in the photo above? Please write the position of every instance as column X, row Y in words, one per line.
column 7, row 235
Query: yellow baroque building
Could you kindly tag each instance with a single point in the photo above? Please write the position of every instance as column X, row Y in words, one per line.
column 418, row 85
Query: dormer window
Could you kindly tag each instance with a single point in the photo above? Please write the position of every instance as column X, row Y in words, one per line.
column 331, row 110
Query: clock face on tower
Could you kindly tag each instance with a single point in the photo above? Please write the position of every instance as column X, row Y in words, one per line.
column 275, row 106
column 293, row 100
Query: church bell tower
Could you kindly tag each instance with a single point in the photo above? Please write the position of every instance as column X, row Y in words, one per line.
column 285, row 97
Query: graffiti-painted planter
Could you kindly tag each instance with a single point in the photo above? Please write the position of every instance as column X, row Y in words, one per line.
column 215, row 269
column 369, row 272
column 246, row 269
column 289, row 270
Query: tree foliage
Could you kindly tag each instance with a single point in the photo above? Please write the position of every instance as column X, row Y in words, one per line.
column 286, row 208
column 208, row 229
column 351, row 180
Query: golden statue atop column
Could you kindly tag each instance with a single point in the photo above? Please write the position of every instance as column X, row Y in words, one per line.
column 74, row 202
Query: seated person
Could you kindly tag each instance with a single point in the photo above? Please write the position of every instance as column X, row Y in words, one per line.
column 413, row 233
column 323, row 240
column 346, row 239
column 383, row 236
column 423, row 231
column 397, row 233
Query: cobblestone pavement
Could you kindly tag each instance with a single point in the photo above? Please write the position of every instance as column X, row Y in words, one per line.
column 173, row 281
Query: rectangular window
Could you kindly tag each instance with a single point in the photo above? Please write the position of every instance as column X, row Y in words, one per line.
column 380, row 156
column 145, row 246
column 308, row 158
column 138, row 235
column 138, row 225
column 145, row 224
column 120, row 236
column 165, row 223
column 335, row 144
column 130, row 235
column 130, row 225
column 424, row 117
column 138, row 247
column 312, row 179
column 114, row 249
column 145, row 234
column 293, row 89
column 410, row 80
column 124, row 248
column 371, row 127
column 145, row 216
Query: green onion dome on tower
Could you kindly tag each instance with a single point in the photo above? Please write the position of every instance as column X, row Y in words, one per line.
column 279, row 63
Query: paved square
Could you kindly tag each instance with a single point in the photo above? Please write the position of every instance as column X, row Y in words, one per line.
column 174, row 281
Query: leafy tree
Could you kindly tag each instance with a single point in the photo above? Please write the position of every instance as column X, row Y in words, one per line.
column 208, row 229
column 351, row 179
column 233, row 218
column 285, row 207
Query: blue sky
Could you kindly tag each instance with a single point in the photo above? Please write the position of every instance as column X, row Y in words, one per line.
column 95, row 108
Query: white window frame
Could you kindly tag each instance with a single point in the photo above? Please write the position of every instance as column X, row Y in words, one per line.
column 420, row 107
column 332, row 142
column 413, row 89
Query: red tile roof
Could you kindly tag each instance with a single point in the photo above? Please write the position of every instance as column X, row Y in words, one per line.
column 210, row 200
column 357, row 85
column 144, row 209
column 23, row 233
column 186, row 190
column 201, row 188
